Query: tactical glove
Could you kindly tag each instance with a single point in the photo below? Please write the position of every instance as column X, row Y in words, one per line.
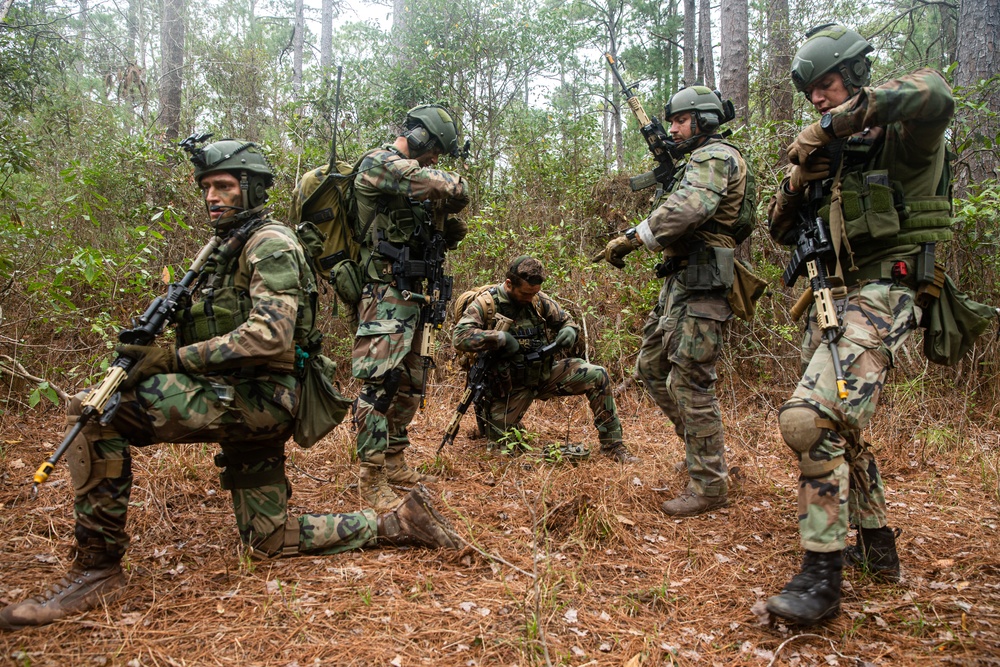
column 149, row 361
column 510, row 346
column 814, row 169
column 566, row 337
column 455, row 230
column 810, row 140
column 616, row 250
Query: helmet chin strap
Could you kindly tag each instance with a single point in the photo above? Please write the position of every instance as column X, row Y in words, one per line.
column 245, row 189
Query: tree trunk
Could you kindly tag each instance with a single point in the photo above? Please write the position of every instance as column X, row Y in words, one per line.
column 4, row 8
column 81, row 36
column 172, row 56
column 690, row 38
column 326, row 37
column 734, row 75
column 779, row 91
column 298, row 43
column 978, row 41
column 706, row 61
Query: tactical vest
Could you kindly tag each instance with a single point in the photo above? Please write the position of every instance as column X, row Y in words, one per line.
column 225, row 303
column 731, row 223
column 395, row 219
column 880, row 216
column 530, row 331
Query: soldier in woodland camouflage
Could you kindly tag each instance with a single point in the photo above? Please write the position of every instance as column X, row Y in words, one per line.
column 517, row 379
column 390, row 188
column 890, row 181
column 692, row 223
column 232, row 379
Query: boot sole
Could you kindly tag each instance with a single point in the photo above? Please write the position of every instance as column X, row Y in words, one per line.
column 800, row 620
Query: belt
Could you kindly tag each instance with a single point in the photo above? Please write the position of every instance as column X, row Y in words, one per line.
column 901, row 271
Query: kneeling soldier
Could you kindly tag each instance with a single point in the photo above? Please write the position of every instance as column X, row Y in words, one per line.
column 522, row 372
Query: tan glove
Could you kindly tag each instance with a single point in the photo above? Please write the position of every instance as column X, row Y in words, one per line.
column 616, row 251
column 811, row 139
column 815, row 169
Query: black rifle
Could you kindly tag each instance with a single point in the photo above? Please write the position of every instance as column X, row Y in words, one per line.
column 812, row 250
column 657, row 139
column 105, row 398
column 475, row 385
column 408, row 272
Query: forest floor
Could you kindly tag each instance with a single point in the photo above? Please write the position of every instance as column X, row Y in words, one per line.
column 592, row 573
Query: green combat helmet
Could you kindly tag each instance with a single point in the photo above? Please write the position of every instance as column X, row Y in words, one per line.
column 430, row 124
column 242, row 159
column 708, row 112
column 832, row 48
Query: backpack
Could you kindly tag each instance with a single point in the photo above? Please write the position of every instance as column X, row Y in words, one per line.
column 746, row 219
column 324, row 213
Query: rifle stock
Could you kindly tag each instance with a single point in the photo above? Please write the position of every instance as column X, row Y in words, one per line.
column 475, row 385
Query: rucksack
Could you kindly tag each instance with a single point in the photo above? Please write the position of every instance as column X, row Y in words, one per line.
column 746, row 219
column 325, row 215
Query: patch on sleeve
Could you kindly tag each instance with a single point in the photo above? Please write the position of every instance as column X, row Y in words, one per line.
column 710, row 170
column 275, row 262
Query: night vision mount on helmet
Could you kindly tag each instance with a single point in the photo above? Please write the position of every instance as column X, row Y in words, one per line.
column 428, row 125
column 832, row 48
column 242, row 159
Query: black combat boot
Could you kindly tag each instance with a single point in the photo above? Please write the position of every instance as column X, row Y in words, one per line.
column 813, row 595
column 875, row 553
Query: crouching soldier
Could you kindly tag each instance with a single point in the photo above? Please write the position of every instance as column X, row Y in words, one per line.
column 523, row 369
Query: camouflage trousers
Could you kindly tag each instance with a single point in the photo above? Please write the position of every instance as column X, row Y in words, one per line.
column 386, row 357
column 681, row 343
column 878, row 318
column 251, row 429
column 569, row 377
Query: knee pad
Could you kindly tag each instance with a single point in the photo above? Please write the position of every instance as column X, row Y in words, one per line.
column 86, row 468
column 282, row 543
column 804, row 428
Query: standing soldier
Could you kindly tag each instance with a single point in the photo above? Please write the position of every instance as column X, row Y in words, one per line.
column 522, row 373
column 697, row 223
column 393, row 185
column 890, row 177
column 239, row 388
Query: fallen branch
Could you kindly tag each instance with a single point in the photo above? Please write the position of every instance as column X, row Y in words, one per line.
column 21, row 372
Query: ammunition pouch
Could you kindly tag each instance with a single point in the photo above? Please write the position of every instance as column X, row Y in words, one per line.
column 710, row 270
column 872, row 205
column 205, row 320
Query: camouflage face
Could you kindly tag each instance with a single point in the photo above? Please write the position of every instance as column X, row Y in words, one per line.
column 222, row 194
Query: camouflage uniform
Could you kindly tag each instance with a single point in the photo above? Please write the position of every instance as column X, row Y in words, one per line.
column 517, row 383
column 682, row 337
column 839, row 482
column 265, row 292
column 385, row 355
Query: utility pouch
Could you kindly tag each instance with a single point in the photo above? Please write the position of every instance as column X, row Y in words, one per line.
column 952, row 322
column 312, row 238
column 321, row 407
column 747, row 288
column 710, row 270
column 203, row 321
column 346, row 278
column 869, row 202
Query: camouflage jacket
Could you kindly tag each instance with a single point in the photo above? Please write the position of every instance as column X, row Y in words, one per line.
column 389, row 189
column 536, row 322
column 262, row 303
column 898, row 128
column 709, row 190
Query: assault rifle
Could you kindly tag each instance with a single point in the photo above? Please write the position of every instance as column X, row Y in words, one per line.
column 812, row 250
column 437, row 292
column 657, row 139
column 475, row 385
column 105, row 399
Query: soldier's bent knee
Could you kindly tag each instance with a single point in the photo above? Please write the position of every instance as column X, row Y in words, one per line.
column 281, row 543
column 803, row 428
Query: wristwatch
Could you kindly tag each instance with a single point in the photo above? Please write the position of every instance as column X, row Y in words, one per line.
column 633, row 237
column 826, row 124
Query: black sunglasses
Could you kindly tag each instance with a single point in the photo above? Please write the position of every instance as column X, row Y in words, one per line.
column 534, row 281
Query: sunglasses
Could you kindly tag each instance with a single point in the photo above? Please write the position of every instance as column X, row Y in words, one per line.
column 534, row 281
